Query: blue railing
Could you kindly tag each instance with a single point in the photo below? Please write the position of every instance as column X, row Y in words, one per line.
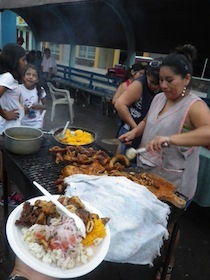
column 87, row 78
column 88, row 82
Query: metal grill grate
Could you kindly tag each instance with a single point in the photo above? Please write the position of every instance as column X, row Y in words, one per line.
column 41, row 166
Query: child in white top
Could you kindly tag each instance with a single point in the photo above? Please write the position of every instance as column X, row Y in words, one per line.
column 12, row 61
column 33, row 97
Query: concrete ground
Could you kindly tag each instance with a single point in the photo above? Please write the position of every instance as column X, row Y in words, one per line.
column 193, row 252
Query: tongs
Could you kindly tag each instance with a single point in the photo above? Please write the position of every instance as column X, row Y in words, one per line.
column 131, row 153
column 78, row 221
column 111, row 141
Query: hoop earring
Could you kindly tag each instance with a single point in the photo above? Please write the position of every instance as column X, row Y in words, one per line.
column 183, row 92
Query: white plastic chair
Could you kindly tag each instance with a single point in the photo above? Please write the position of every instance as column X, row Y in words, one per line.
column 43, row 113
column 60, row 96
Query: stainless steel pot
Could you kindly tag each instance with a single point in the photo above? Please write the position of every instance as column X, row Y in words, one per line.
column 23, row 140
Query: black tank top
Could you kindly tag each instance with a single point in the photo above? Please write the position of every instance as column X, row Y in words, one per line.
column 139, row 109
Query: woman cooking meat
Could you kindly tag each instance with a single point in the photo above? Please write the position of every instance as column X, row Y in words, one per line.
column 180, row 119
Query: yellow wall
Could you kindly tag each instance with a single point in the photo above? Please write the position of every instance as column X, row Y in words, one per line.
column 96, row 60
column 116, row 57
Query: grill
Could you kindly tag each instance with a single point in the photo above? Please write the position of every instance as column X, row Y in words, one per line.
column 40, row 167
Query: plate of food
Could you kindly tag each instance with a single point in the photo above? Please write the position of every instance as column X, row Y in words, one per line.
column 49, row 242
column 75, row 136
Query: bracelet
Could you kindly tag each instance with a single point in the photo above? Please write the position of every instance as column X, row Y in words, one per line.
column 16, row 277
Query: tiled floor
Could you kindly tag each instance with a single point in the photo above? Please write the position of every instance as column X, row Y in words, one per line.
column 193, row 252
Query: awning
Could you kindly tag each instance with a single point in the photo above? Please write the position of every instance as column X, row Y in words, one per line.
column 140, row 25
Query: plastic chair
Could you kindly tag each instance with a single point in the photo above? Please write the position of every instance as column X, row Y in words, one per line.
column 43, row 113
column 60, row 96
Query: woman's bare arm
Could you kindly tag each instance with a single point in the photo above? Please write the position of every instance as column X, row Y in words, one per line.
column 8, row 115
column 122, row 87
column 198, row 120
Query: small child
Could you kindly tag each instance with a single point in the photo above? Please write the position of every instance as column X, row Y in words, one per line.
column 33, row 97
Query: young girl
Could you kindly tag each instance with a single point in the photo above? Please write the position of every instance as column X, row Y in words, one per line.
column 12, row 61
column 33, row 97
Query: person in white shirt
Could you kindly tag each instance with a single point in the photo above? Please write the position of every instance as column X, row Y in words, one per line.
column 33, row 97
column 48, row 65
column 12, row 61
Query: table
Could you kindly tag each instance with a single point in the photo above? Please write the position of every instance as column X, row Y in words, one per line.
column 41, row 167
column 202, row 195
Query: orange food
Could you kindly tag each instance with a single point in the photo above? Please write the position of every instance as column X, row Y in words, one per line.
column 98, row 231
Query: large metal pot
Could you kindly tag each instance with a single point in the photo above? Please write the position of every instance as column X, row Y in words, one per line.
column 23, row 140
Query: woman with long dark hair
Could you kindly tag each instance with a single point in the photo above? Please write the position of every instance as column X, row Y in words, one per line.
column 12, row 62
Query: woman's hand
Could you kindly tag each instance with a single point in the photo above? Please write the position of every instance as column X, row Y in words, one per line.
column 157, row 143
column 128, row 137
column 11, row 115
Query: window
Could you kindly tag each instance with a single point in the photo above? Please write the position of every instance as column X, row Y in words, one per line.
column 87, row 52
column 54, row 48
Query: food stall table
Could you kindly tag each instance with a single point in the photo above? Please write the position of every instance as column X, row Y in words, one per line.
column 202, row 195
column 41, row 167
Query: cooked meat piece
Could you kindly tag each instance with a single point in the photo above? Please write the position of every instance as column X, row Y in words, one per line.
column 57, row 149
column 121, row 159
column 41, row 219
column 93, row 168
column 83, row 214
column 74, row 200
column 70, row 170
column 36, row 214
column 94, row 216
column 27, row 218
column 59, row 157
column 105, row 220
